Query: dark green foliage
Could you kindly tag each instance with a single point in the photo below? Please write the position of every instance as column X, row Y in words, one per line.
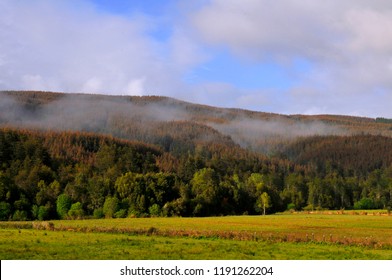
column 98, row 213
column 5, row 211
column 19, row 215
column 99, row 176
column 188, row 168
column 41, row 212
column 364, row 203
column 76, row 211
column 141, row 191
column 351, row 155
column 206, row 191
column 110, row 207
column 122, row 213
column 113, row 178
column 154, row 210
column 63, row 204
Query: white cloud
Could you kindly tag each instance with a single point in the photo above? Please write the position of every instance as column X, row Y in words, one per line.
column 92, row 85
column 71, row 46
column 136, row 87
column 348, row 43
column 261, row 29
column 371, row 30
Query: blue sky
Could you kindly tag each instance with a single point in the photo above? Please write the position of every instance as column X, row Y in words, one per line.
column 291, row 57
column 124, row 7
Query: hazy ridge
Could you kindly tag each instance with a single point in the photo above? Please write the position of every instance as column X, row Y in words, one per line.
column 138, row 118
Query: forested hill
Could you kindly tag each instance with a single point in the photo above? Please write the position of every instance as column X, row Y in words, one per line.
column 78, row 155
column 172, row 124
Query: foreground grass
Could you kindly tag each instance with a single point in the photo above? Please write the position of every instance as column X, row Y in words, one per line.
column 37, row 244
column 292, row 236
column 345, row 229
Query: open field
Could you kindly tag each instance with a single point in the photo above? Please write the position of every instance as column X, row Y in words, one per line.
column 284, row 236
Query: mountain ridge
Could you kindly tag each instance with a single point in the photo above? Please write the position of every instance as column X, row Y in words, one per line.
column 161, row 156
column 52, row 95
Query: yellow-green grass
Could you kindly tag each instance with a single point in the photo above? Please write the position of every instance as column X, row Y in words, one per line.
column 293, row 227
column 283, row 236
column 45, row 245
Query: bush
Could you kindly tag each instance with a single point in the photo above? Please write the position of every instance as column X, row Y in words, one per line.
column 98, row 213
column 364, row 204
column 121, row 213
column 63, row 204
column 19, row 215
column 110, row 207
column 43, row 213
column 34, row 211
column 76, row 211
column 154, row 210
column 291, row 207
column 133, row 213
column 5, row 211
column 309, row 207
column 173, row 208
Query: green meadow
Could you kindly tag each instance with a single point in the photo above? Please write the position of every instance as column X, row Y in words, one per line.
column 282, row 236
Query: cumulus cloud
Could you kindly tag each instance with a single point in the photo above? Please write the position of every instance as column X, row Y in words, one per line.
column 261, row 29
column 348, row 43
column 74, row 47
column 71, row 46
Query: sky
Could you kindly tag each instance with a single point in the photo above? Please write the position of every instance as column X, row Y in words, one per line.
column 288, row 57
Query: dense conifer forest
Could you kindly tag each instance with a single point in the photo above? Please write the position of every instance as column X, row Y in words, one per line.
column 73, row 156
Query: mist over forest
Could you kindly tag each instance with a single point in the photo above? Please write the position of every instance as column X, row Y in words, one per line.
column 78, row 155
column 103, row 114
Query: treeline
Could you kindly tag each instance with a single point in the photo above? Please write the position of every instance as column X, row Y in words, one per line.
column 68, row 175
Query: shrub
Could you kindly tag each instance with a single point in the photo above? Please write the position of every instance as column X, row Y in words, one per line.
column 34, row 211
column 133, row 213
column 110, row 206
column 309, row 207
column 43, row 213
column 364, row 203
column 154, row 210
column 5, row 211
column 98, row 213
column 76, row 211
column 291, row 207
column 63, row 204
column 19, row 215
column 122, row 213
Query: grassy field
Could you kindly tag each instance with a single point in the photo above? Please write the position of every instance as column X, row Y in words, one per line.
column 283, row 236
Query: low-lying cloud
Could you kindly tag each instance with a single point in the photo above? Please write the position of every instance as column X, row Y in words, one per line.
column 136, row 118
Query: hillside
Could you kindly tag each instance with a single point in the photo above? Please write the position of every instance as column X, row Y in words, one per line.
column 172, row 123
column 76, row 155
column 356, row 154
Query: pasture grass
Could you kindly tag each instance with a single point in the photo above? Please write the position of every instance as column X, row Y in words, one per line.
column 282, row 237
